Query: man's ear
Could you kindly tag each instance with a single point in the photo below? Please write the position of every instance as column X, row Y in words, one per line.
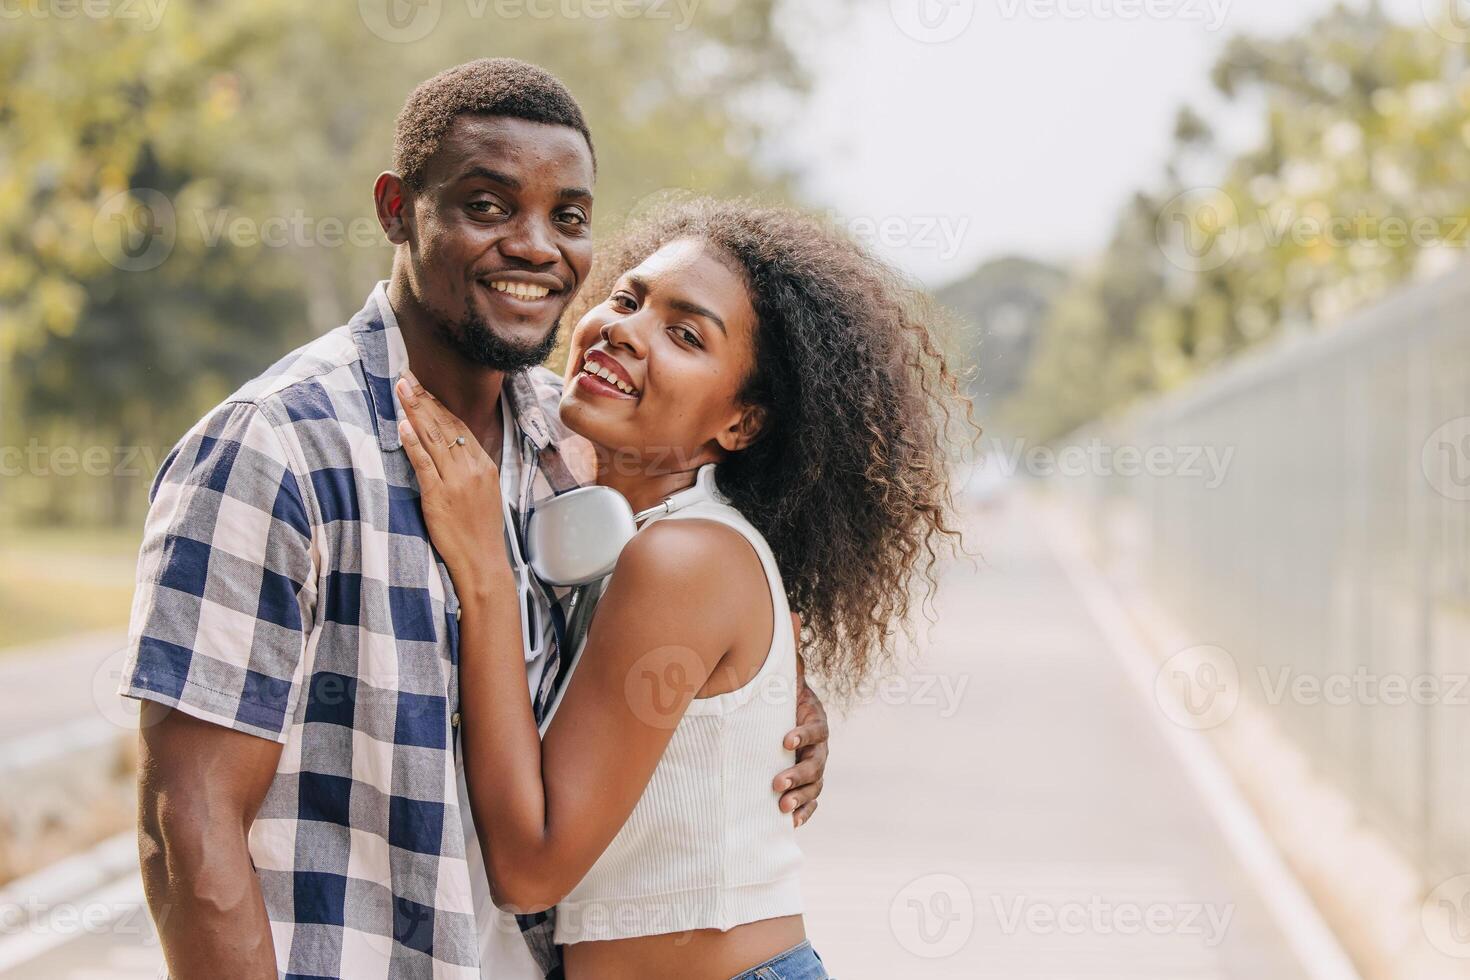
column 395, row 214
column 744, row 430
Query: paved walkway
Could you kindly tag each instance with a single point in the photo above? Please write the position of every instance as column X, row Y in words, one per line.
column 1010, row 811
column 1041, row 828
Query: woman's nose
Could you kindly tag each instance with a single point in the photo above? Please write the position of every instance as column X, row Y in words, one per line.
column 625, row 332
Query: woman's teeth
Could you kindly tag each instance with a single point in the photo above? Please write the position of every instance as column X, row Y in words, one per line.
column 589, row 368
column 520, row 290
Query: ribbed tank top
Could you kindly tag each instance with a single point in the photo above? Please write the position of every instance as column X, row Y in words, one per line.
column 706, row 846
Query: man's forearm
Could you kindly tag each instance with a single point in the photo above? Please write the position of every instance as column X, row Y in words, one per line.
column 205, row 900
column 199, row 788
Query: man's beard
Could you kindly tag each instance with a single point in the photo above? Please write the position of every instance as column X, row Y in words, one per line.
column 473, row 339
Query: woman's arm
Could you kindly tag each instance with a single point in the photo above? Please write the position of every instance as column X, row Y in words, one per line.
column 661, row 628
column 546, row 811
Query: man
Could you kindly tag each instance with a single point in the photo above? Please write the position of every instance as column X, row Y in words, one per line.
column 293, row 628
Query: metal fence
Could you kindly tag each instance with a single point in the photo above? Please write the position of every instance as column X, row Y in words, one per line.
column 1332, row 560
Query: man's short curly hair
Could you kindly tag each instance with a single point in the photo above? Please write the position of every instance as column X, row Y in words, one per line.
column 484, row 87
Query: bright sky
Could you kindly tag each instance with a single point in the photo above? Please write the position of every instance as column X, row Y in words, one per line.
column 954, row 130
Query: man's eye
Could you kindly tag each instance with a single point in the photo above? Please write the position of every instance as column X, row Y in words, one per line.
column 624, row 301
column 574, row 217
column 486, row 207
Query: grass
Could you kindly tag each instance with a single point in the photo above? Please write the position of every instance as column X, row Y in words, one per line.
column 66, row 580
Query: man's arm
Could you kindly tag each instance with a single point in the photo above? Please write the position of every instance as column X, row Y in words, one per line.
column 199, row 788
column 800, row 785
column 226, row 583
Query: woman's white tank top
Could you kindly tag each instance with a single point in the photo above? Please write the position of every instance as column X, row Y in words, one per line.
column 706, row 847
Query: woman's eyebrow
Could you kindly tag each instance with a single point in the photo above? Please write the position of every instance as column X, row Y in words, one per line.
column 694, row 309
column 682, row 305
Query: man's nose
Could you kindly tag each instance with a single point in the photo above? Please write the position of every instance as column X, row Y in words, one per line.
column 531, row 241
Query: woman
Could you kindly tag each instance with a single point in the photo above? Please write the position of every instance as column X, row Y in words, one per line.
column 776, row 392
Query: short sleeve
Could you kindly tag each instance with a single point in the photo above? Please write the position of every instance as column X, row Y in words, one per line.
column 226, row 579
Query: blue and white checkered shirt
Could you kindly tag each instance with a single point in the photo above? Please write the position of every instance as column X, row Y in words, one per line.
column 287, row 588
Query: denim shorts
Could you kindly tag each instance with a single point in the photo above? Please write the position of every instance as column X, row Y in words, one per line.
column 797, row 963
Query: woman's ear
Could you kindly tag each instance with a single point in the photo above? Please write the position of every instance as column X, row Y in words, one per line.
column 744, row 430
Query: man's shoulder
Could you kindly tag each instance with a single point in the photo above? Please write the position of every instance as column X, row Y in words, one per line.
column 328, row 359
column 317, row 382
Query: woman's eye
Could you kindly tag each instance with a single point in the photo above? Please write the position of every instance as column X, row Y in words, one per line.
column 686, row 335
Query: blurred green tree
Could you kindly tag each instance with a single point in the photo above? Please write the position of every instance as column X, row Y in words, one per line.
column 185, row 189
column 1361, row 181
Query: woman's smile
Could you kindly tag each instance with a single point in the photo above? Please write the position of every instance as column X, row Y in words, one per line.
column 601, row 374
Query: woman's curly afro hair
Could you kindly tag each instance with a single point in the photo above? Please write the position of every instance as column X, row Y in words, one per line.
column 848, row 480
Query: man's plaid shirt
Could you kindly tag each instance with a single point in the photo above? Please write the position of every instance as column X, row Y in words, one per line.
column 287, row 588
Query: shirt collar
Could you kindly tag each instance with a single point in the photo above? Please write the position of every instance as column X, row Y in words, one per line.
column 380, row 346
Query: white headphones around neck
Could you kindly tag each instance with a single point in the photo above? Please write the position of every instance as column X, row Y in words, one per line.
column 576, row 538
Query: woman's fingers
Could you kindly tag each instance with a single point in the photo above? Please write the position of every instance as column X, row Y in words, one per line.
column 420, row 416
column 448, row 424
column 423, row 463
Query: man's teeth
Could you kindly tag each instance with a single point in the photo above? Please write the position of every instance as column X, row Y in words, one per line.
column 520, row 290
column 609, row 377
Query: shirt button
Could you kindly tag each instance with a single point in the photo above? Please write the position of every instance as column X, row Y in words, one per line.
column 454, row 720
column 457, row 612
